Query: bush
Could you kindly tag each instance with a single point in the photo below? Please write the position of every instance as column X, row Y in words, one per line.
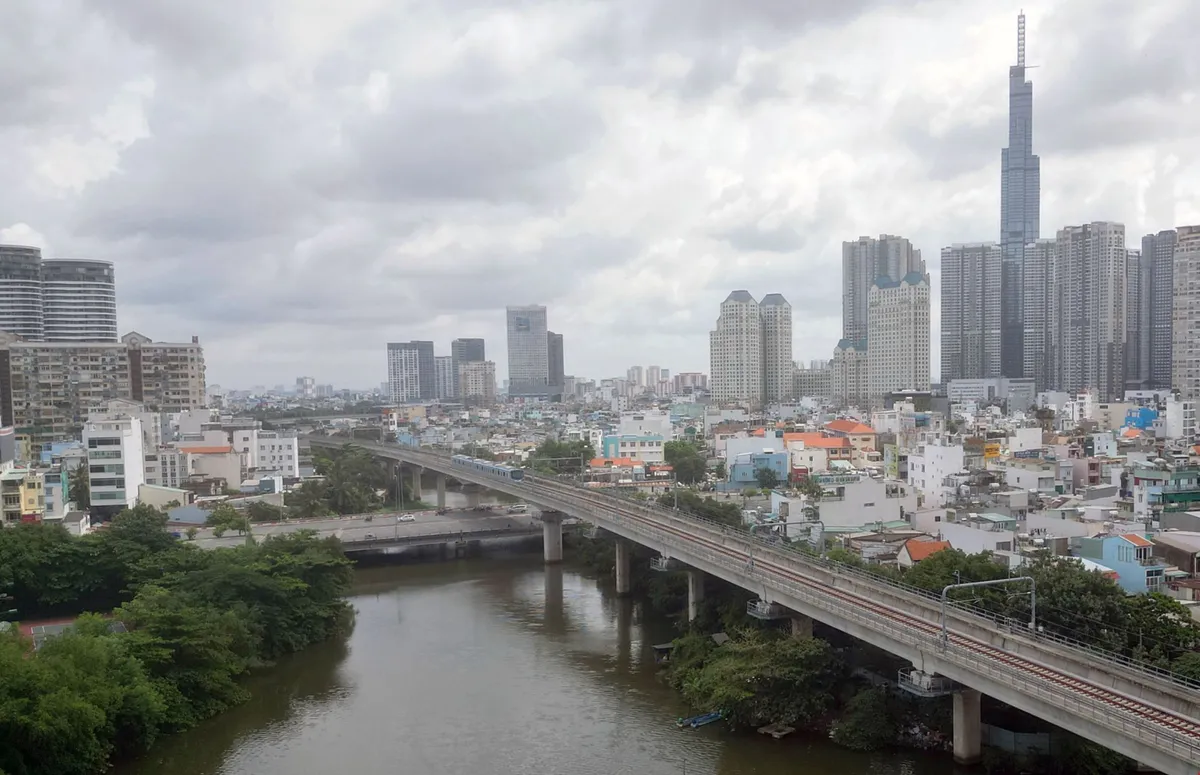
column 868, row 722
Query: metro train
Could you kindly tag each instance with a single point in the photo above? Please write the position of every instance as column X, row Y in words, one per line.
column 488, row 467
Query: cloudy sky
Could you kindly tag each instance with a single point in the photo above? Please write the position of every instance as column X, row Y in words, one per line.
column 300, row 181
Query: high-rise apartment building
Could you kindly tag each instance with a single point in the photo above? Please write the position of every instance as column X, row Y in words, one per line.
column 1157, row 289
column 898, row 336
column 736, row 351
column 528, row 351
column 654, row 375
column 1133, row 320
column 465, row 351
column 1020, row 209
column 971, row 279
column 863, row 262
column 79, row 301
column 1088, row 310
column 21, row 292
column 477, row 380
column 1185, row 350
column 636, row 376
column 554, row 360
column 404, row 372
column 306, row 387
column 1037, row 280
column 778, row 367
column 47, row 389
column 443, row 370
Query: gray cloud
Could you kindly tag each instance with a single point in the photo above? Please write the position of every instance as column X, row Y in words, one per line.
column 624, row 162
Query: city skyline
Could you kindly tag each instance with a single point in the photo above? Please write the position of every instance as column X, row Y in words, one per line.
column 612, row 202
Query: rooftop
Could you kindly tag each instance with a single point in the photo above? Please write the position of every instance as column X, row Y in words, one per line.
column 919, row 550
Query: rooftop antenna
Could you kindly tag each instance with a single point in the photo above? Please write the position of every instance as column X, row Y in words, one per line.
column 1021, row 39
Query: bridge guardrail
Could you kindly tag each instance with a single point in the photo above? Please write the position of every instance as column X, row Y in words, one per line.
column 983, row 617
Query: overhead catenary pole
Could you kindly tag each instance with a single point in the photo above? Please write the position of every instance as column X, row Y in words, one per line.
column 1032, row 599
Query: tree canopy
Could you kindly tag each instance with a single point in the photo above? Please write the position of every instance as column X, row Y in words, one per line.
column 686, row 460
column 561, row 457
column 197, row 620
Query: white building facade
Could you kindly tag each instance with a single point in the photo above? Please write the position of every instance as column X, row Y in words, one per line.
column 736, row 351
column 115, row 461
column 1185, row 314
column 898, row 336
column 777, row 364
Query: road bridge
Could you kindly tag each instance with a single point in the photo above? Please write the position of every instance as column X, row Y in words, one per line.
column 1144, row 714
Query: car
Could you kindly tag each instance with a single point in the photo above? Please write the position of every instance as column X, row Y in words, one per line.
column 408, row 518
column 370, row 536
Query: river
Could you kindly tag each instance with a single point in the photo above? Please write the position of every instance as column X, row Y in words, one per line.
column 487, row 667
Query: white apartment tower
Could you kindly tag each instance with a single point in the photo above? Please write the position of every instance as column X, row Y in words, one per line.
column 528, row 351
column 1185, row 314
column 736, row 351
column 898, row 335
column 971, row 311
column 778, row 367
column 404, row 372
column 1088, row 309
column 115, row 459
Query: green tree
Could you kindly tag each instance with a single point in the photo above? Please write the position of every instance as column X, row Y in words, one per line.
column 307, row 501
column 259, row 511
column 352, row 479
column 767, row 479
column 706, row 507
column 868, row 723
column 720, row 471
column 686, row 460
column 763, row 676
column 224, row 518
column 79, row 487
column 191, row 533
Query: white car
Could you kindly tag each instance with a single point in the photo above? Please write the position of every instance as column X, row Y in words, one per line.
column 408, row 518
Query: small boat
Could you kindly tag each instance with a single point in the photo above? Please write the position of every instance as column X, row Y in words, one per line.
column 698, row 721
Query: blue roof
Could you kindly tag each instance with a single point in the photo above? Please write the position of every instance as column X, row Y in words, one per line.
column 912, row 278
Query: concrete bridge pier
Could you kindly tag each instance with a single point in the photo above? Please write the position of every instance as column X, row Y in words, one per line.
column 802, row 626
column 622, row 566
column 695, row 593
column 441, row 491
column 552, row 536
column 968, row 730
column 415, row 494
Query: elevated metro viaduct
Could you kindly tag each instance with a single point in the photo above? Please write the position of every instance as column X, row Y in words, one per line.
column 1144, row 714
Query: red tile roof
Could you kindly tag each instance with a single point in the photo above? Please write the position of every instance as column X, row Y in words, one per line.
column 620, row 462
column 919, row 550
column 212, row 450
column 1137, row 540
column 849, row 426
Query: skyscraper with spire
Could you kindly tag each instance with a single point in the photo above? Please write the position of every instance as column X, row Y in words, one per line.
column 1020, row 209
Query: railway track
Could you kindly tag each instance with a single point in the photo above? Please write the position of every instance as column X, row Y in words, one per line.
column 1141, row 711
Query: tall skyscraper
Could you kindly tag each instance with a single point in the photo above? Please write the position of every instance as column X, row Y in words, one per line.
column 1037, row 281
column 554, row 361
column 1157, row 283
column 736, row 351
column 898, row 335
column 636, row 376
column 778, row 367
column 1020, row 208
column 79, row 300
column 1088, row 310
column 863, row 262
column 528, row 351
column 1135, row 379
column 21, row 292
column 1185, row 351
column 465, row 351
column 970, row 311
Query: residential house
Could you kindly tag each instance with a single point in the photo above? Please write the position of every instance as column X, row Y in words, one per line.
column 1131, row 556
column 917, row 549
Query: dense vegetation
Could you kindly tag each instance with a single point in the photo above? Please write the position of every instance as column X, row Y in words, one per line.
column 354, row 483
column 197, row 621
column 687, row 460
